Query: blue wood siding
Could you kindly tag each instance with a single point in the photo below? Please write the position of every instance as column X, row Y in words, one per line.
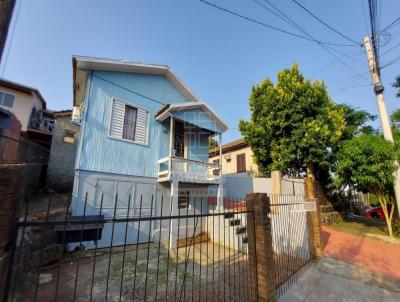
column 103, row 154
column 197, row 148
column 199, row 118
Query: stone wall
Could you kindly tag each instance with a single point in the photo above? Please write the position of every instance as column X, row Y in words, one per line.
column 60, row 174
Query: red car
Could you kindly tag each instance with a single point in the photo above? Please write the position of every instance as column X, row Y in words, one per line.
column 375, row 212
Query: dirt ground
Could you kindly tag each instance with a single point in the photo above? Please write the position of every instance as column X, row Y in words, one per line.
column 205, row 271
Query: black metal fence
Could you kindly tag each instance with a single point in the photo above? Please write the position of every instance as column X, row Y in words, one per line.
column 193, row 252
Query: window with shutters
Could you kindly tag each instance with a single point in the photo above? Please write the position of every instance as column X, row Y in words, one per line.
column 216, row 171
column 129, row 122
column 241, row 163
column 6, row 99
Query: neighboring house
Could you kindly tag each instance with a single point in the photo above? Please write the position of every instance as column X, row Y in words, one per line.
column 9, row 124
column 144, row 135
column 237, row 157
column 61, row 168
column 29, row 107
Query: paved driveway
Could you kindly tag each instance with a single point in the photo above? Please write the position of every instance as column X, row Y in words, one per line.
column 373, row 255
column 354, row 268
column 331, row 281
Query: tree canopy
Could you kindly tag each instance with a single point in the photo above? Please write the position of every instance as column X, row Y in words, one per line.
column 295, row 124
column 367, row 163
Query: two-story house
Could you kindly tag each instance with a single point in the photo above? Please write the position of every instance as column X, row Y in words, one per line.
column 29, row 107
column 143, row 138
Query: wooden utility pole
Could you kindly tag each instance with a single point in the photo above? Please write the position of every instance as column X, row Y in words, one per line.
column 385, row 122
column 6, row 11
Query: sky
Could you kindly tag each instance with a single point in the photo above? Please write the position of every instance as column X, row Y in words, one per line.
column 218, row 55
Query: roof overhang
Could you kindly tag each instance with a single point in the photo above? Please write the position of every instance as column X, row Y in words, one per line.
column 167, row 110
column 229, row 147
column 83, row 65
column 23, row 88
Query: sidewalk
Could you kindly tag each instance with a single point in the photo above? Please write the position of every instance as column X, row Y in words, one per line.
column 334, row 281
column 373, row 255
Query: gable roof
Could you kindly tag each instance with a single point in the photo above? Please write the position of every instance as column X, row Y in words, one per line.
column 229, row 147
column 82, row 65
column 23, row 88
column 165, row 112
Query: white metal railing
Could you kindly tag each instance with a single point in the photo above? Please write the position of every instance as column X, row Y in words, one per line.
column 184, row 169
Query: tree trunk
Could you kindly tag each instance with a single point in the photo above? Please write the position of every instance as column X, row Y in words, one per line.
column 388, row 217
column 310, row 170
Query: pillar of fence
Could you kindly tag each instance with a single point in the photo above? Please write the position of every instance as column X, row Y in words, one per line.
column 313, row 218
column 261, row 254
column 9, row 201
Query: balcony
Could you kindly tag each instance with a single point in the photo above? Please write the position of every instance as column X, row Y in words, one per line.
column 187, row 170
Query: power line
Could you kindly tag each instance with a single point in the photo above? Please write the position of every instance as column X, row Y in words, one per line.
column 324, row 23
column 325, row 47
column 392, row 24
column 11, row 39
column 391, row 63
column 130, row 90
column 270, row 26
column 390, row 49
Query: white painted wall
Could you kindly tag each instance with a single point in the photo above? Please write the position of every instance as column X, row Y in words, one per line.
column 23, row 104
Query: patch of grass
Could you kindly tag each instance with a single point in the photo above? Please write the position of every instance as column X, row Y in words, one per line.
column 360, row 228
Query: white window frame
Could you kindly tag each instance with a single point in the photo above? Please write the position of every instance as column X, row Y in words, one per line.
column 132, row 105
column 15, row 97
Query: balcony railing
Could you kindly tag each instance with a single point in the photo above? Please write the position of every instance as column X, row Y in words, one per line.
column 188, row 170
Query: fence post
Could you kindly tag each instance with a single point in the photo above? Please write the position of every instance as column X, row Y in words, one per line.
column 10, row 198
column 314, row 217
column 261, row 254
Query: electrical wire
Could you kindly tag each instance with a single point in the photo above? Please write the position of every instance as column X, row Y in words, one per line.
column 130, row 90
column 392, row 24
column 390, row 49
column 325, row 47
column 11, row 39
column 391, row 63
column 270, row 26
column 324, row 23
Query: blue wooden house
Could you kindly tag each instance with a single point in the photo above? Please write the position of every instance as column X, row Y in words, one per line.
column 144, row 138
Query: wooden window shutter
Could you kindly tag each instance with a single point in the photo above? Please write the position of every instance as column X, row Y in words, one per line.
column 216, row 171
column 118, row 123
column 117, row 119
column 142, row 126
column 241, row 163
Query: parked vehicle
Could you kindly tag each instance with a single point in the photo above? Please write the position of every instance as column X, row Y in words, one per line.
column 376, row 212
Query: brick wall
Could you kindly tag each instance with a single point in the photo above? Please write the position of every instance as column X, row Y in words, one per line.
column 60, row 174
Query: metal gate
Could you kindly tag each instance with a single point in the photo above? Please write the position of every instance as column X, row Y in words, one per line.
column 292, row 238
column 194, row 252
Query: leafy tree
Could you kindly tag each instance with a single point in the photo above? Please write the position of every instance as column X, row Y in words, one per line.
column 212, row 143
column 367, row 163
column 294, row 124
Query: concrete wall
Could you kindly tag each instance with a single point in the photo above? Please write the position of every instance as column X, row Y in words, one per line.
column 230, row 166
column 238, row 185
column 60, row 173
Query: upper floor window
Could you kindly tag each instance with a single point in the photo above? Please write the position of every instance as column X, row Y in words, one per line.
column 6, row 99
column 241, row 163
column 129, row 122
